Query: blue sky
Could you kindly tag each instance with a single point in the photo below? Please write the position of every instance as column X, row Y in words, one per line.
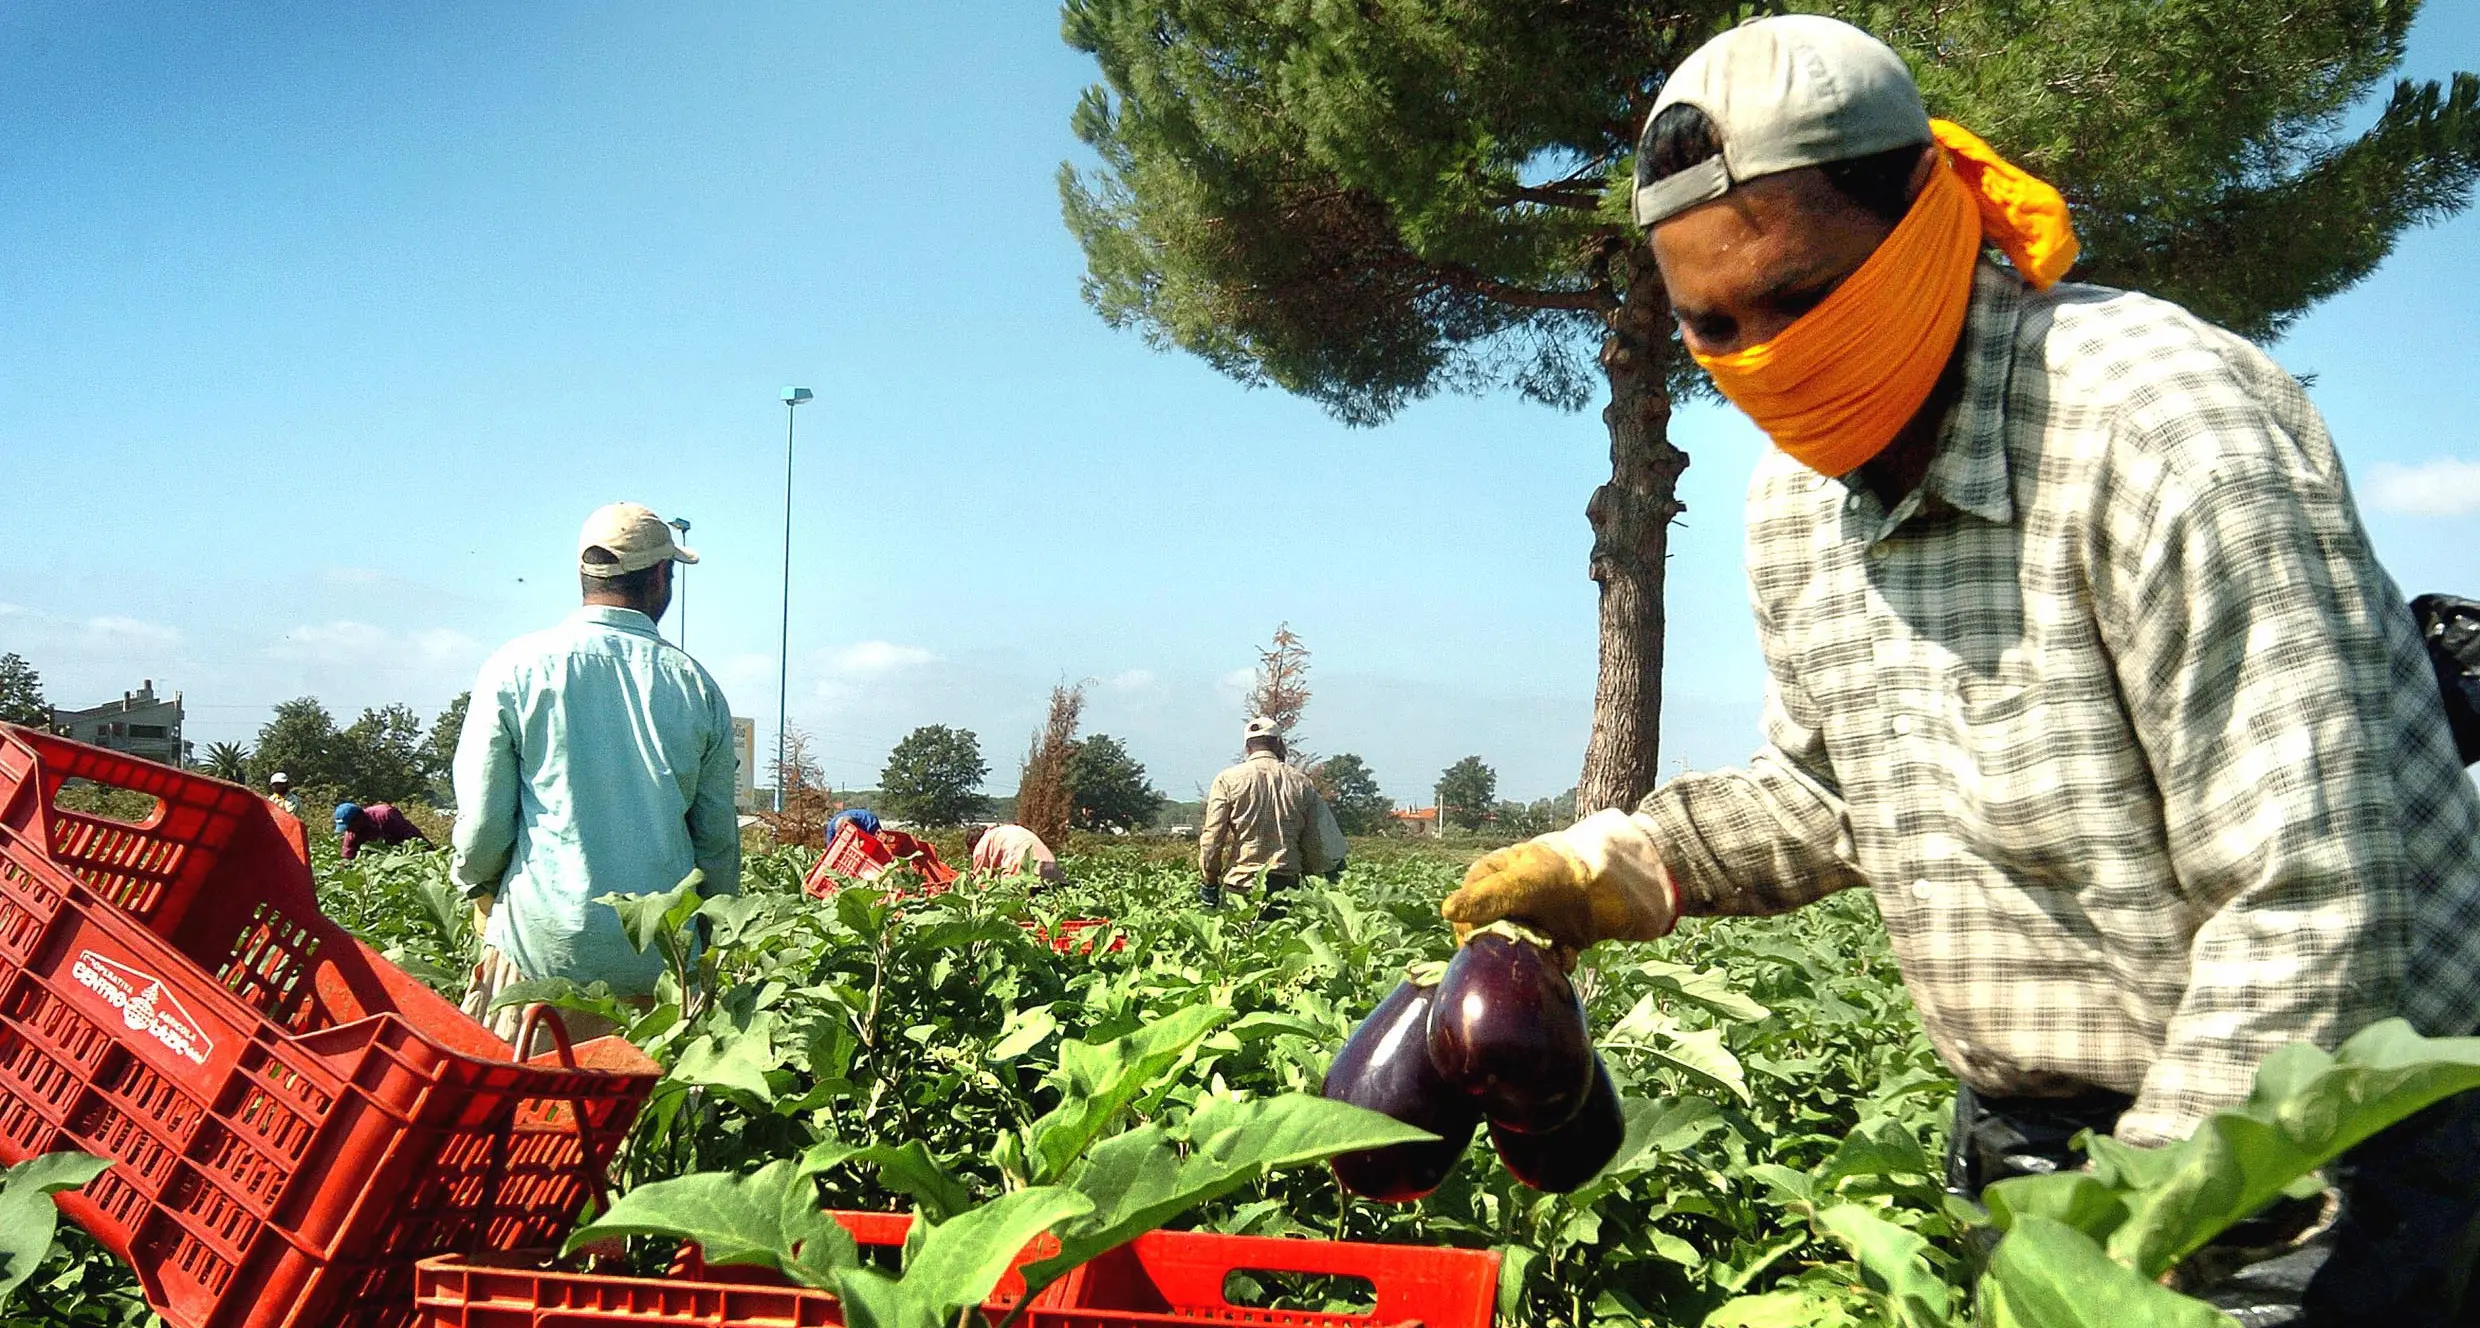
column 326, row 325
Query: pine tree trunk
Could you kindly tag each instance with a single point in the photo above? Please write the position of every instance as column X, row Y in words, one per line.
column 1631, row 517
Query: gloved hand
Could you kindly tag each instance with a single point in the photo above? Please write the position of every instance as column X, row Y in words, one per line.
column 1598, row 880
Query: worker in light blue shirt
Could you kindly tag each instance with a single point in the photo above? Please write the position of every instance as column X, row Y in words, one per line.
column 596, row 759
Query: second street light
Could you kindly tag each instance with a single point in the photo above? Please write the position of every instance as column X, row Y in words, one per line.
column 680, row 584
column 793, row 398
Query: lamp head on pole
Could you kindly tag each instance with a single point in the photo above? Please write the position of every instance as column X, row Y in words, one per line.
column 794, row 396
column 679, row 523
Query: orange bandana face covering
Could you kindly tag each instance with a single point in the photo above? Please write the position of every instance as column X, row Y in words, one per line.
column 1837, row 385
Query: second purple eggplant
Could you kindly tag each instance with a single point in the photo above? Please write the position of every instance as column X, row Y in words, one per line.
column 1507, row 1028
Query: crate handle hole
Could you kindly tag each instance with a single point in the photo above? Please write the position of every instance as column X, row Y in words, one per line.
column 85, row 797
column 1317, row 1293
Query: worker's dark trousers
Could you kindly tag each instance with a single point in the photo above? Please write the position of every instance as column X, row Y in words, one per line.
column 2399, row 1255
column 1277, row 902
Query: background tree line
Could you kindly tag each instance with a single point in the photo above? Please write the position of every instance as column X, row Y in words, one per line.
column 934, row 776
column 386, row 755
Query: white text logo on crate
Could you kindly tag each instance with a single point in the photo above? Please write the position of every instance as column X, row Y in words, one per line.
column 144, row 1005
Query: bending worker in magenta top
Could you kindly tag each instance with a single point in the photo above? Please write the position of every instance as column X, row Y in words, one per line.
column 596, row 759
column 2078, row 657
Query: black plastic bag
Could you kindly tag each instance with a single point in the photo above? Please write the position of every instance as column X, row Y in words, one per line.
column 2450, row 625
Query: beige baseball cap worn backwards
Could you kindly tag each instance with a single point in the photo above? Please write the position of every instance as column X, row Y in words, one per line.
column 633, row 536
column 1785, row 92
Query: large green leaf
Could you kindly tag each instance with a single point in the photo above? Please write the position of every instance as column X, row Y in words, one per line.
column 1698, row 1053
column 875, row 1300
column 1268, row 1023
column 769, row 1218
column 1777, row 1309
column 28, row 1218
column 1100, row 1080
column 2074, row 1198
column 732, row 917
column 649, row 919
column 1894, row 1263
column 1141, row 1179
column 738, row 1063
column 2307, row 1108
column 1702, row 987
column 959, row 1261
column 1025, row 1030
column 1880, row 1148
column 910, row 1169
column 2046, row 1274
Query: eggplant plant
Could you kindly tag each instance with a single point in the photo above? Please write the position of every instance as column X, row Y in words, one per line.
column 1782, row 1112
column 1071, row 1177
column 28, row 1219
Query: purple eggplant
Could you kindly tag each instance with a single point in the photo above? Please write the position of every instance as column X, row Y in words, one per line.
column 1560, row 1160
column 1385, row 1067
column 1507, row 1028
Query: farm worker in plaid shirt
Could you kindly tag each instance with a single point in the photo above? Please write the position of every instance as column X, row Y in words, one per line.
column 596, row 759
column 2079, row 661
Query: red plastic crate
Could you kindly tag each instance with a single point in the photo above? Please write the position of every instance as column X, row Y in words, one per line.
column 1178, row 1277
column 856, row 854
column 1075, row 935
column 511, row 1291
column 293, row 1120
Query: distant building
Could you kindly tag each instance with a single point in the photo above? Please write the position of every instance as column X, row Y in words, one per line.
column 1417, row 820
column 745, row 752
column 140, row 723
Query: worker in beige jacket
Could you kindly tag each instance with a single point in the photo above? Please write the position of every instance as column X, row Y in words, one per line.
column 1264, row 818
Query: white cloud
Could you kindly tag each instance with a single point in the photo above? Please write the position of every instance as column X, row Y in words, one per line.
column 118, row 632
column 1238, row 680
column 340, row 642
column 880, row 657
column 445, row 643
column 111, row 635
column 1131, row 681
column 363, row 645
column 2445, row 486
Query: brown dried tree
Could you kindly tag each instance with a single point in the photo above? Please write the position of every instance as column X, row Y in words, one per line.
column 808, row 803
column 1281, row 691
column 1044, row 797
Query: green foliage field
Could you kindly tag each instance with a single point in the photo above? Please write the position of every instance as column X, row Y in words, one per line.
column 1785, row 1112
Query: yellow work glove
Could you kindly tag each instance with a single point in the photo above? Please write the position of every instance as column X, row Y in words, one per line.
column 1598, row 880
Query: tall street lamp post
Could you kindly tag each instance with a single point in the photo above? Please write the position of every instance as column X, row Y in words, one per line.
column 680, row 583
column 793, row 398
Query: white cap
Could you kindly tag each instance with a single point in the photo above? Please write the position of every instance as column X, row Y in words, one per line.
column 1784, row 92
column 1262, row 727
column 635, row 538
column 279, row 777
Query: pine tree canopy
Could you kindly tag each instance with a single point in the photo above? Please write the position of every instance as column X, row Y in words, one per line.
column 1365, row 204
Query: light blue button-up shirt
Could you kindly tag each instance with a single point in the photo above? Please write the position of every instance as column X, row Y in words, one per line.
column 596, row 759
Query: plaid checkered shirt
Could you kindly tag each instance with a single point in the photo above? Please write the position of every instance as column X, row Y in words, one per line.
column 2116, row 716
